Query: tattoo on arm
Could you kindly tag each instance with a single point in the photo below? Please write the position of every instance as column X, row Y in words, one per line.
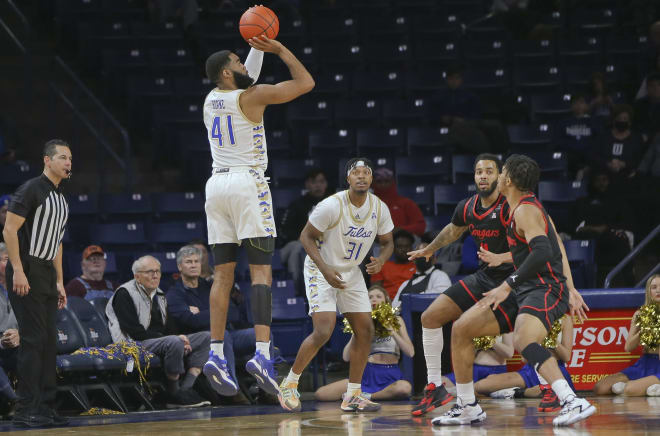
column 447, row 235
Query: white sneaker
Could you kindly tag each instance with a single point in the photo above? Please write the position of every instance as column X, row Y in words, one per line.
column 618, row 388
column 653, row 390
column 504, row 394
column 574, row 410
column 460, row 415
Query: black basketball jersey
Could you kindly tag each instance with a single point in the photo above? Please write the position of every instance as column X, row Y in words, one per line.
column 552, row 272
column 488, row 228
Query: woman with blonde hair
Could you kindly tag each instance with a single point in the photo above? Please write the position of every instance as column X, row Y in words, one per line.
column 642, row 378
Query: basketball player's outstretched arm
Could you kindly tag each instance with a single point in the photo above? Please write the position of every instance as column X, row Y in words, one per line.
column 450, row 233
column 301, row 81
column 308, row 238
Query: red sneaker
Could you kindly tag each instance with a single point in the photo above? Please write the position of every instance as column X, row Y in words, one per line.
column 550, row 401
column 434, row 396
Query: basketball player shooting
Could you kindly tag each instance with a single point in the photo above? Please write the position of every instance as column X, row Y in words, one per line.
column 338, row 235
column 238, row 206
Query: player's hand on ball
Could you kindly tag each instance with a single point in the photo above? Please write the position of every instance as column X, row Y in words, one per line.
column 374, row 266
column 494, row 297
column 416, row 254
column 265, row 44
column 333, row 278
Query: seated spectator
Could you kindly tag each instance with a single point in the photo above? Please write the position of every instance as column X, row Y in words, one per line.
column 527, row 382
column 207, row 269
column 486, row 361
column 599, row 99
column 91, row 283
column 9, row 337
column 138, row 311
column 188, row 305
column 575, row 134
column 4, row 205
column 382, row 378
column 642, row 378
column 647, row 109
column 397, row 271
column 427, row 279
column 620, row 151
column 294, row 219
column 406, row 215
column 605, row 217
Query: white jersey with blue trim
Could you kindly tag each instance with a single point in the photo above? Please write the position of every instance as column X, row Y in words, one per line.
column 349, row 231
column 235, row 141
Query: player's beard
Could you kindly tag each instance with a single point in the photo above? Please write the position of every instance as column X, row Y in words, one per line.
column 486, row 192
column 243, row 81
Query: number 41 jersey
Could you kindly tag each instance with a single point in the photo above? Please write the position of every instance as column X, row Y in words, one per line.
column 349, row 231
column 235, row 141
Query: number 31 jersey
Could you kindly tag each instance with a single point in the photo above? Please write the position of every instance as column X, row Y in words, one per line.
column 235, row 141
column 349, row 231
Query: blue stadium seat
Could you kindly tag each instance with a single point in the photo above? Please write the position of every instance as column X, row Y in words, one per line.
column 581, row 256
column 99, row 305
column 437, row 223
column 85, row 205
column 446, row 197
column 553, row 164
column 170, row 57
column 174, row 234
column 283, row 197
column 383, row 55
column 581, row 51
column 427, row 140
column 337, row 56
column 126, row 206
column 358, row 112
column 422, row 195
column 278, row 142
column 332, row 84
column 536, row 79
column 330, row 143
column 192, row 86
column 405, row 112
column 550, row 107
column 310, row 113
column 381, row 141
column 421, row 83
column 379, row 83
column 93, row 325
column 167, row 261
column 291, row 172
column 436, row 54
column 172, row 205
column 534, row 53
column 14, row 174
column 526, row 136
column 462, row 168
column 284, row 289
column 118, row 235
column 492, row 53
column 488, row 81
column 423, row 170
column 289, row 326
column 559, row 197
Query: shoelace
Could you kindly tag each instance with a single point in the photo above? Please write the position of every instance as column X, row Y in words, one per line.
column 455, row 410
column 287, row 393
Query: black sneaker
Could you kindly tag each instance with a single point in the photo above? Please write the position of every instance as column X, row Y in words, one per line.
column 434, row 396
column 49, row 412
column 186, row 398
column 26, row 420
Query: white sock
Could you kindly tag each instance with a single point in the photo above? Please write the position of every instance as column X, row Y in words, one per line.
column 465, row 392
column 542, row 381
column 264, row 349
column 353, row 388
column 433, row 342
column 218, row 349
column 292, row 378
column 563, row 390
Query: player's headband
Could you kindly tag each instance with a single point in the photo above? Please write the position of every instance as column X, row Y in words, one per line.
column 358, row 163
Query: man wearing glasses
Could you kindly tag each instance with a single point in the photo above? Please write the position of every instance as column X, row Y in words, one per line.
column 138, row 311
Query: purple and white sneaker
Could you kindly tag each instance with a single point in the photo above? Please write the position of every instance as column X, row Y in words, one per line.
column 262, row 369
column 215, row 370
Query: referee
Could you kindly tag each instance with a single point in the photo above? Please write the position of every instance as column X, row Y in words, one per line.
column 36, row 220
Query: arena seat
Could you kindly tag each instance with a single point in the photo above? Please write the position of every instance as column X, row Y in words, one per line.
column 330, row 143
column 356, row 112
column 422, row 170
column 118, row 235
column 581, row 256
column 291, row 172
column 405, row 112
column 445, row 197
column 427, row 140
column 387, row 142
column 178, row 205
column 422, row 195
column 174, row 234
column 290, row 325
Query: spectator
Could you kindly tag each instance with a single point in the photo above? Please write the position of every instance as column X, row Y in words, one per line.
column 647, row 109
column 188, row 305
column 9, row 339
column 4, row 205
column 91, row 283
column 575, row 134
column 427, row 279
column 294, row 219
column 605, row 217
column 600, row 100
column 406, row 215
column 397, row 271
column 138, row 311
column 207, row 270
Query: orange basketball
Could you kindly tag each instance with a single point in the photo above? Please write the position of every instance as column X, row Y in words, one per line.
column 259, row 20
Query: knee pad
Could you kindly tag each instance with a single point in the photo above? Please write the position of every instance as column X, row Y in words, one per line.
column 260, row 250
column 224, row 253
column 261, row 300
column 535, row 355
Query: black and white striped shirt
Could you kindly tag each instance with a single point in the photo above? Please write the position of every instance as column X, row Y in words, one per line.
column 46, row 212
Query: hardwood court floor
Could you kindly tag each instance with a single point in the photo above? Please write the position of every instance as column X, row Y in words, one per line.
column 615, row 416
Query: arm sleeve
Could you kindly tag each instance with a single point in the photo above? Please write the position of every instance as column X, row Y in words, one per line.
column 179, row 310
column 540, row 253
column 385, row 224
column 416, row 223
column 23, row 200
column 457, row 218
column 253, row 63
column 128, row 317
column 325, row 214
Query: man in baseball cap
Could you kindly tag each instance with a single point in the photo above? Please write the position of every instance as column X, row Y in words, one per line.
column 91, row 283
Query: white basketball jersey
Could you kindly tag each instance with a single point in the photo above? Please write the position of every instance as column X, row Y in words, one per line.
column 347, row 240
column 235, row 140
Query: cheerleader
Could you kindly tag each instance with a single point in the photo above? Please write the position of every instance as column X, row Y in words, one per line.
column 382, row 378
column 642, row 378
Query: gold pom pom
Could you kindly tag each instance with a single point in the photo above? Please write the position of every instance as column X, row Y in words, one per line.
column 648, row 321
column 550, row 341
column 484, row 342
column 385, row 318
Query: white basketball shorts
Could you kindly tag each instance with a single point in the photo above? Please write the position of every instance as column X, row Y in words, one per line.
column 324, row 298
